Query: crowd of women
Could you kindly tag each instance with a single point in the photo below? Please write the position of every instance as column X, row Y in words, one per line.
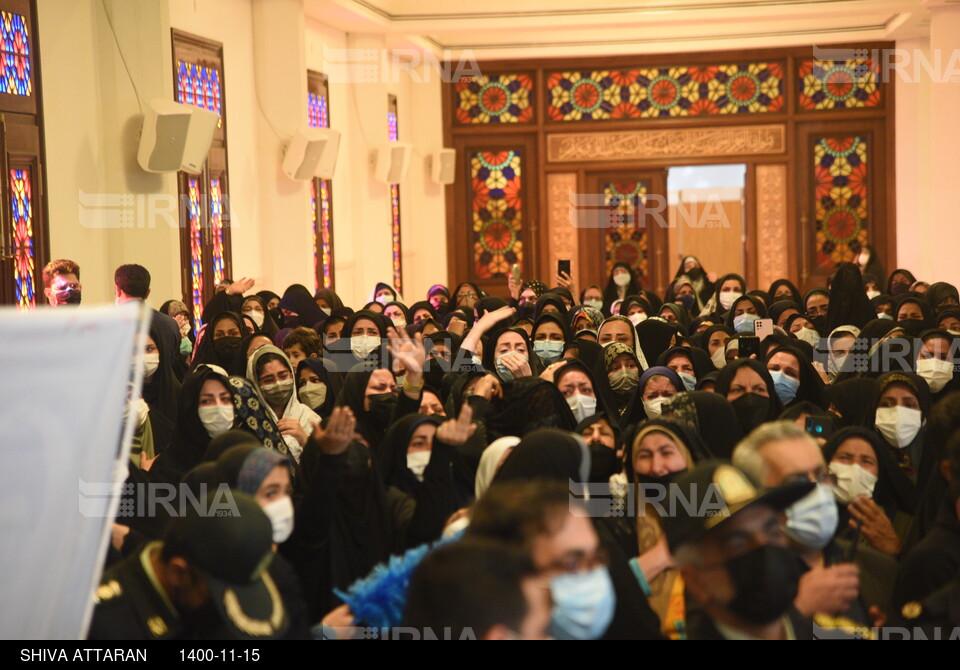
column 392, row 418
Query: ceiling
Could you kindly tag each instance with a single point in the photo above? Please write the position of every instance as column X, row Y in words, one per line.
column 516, row 29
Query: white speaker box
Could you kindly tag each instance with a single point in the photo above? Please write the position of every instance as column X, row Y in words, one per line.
column 312, row 153
column 391, row 162
column 175, row 137
column 442, row 165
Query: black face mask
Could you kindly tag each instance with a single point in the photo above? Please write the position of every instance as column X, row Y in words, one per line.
column 666, row 479
column 276, row 315
column 603, row 462
column 433, row 376
column 752, row 410
column 898, row 288
column 688, row 302
column 381, row 409
column 765, row 581
column 71, row 296
column 695, row 273
column 291, row 321
column 226, row 347
column 820, row 323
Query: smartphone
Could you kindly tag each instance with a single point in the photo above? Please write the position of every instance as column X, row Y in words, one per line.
column 563, row 267
column 819, row 426
column 748, row 345
column 762, row 328
column 515, row 272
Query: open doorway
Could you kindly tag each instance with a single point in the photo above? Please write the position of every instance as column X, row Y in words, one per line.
column 707, row 216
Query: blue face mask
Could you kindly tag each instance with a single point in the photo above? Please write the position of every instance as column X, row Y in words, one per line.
column 502, row 369
column 583, row 604
column 785, row 385
column 688, row 302
column 744, row 323
column 548, row 351
column 689, row 381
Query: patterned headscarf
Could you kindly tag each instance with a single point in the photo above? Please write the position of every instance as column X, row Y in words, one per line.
column 611, row 352
column 252, row 417
column 538, row 287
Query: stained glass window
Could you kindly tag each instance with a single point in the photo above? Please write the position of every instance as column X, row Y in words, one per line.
column 650, row 92
column 838, row 84
column 196, row 247
column 495, row 98
column 21, row 206
column 322, row 232
column 15, row 50
column 626, row 237
column 840, row 169
column 497, row 212
column 216, row 229
column 200, row 86
column 393, row 134
column 321, row 207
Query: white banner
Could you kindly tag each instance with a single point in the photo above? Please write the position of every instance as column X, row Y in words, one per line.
column 65, row 375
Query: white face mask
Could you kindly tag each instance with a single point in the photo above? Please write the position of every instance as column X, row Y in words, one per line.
column 363, row 345
column 326, row 310
column 313, row 394
column 150, row 364
column 637, row 318
column 280, row 513
column 852, row 481
column 399, row 321
column 257, row 317
column 813, row 519
column 417, row 463
column 872, row 294
column 898, row 425
column 935, row 372
column 809, row 336
column 621, row 279
column 689, row 381
column 654, row 407
column 719, row 358
column 217, row 419
column 727, row 299
column 582, row 406
column 595, row 304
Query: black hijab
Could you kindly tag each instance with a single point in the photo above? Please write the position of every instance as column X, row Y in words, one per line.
column 547, row 453
column 699, row 358
column 328, row 377
column 611, row 290
column 269, row 327
column 162, row 390
column 911, row 280
column 811, row 387
column 920, row 301
column 550, row 298
column 299, row 300
column 209, row 353
column 585, row 351
column 852, row 398
column 778, row 308
column 795, row 296
column 683, row 316
column 755, row 410
column 757, row 304
column 940, row 291
column 849, row 304
column 655, row 337
column 709, row 415
column 490, row 351
column 529, row 403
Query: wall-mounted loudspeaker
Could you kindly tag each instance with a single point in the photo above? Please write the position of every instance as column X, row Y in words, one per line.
column 311, row 153
column 391, row 161
column 442, row 165
column 175, row 137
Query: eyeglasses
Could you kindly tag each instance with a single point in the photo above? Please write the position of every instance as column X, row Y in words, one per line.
column 576, row 562
column 466, row 295
column 817, row 477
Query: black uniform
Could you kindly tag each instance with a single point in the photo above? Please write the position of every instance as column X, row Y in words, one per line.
column 130, row 607
column 936, row 617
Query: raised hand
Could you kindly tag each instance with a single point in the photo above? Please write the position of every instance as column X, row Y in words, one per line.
column 240, row 286
column 874, row 525
column 291, row 426
column 551, row 370
column 339, row 432
column 457, row 431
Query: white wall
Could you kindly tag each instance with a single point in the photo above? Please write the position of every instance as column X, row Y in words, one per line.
column 92, row 122
column 91, row 117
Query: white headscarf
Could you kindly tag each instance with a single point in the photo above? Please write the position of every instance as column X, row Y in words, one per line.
column 490, row 460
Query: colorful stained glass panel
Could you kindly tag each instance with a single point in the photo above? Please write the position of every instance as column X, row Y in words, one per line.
column 196, row 248
column 395, row 235
column 15, row 51
column 24, row 258
column 497, row 212
column 846, row 84
column 497, row 98
column 198, row 85
column 840, row 169
column 216, row 228
column 748, row 88
column 626, row 237
column 317, row 114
